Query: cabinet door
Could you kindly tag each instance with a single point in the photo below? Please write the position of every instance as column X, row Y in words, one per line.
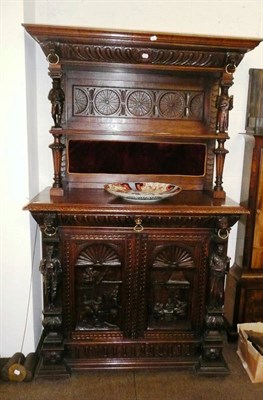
column 134, row 284
column 99, row 281
column 176, row 281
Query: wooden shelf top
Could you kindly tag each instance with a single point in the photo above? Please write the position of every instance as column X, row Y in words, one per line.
column 100, row 201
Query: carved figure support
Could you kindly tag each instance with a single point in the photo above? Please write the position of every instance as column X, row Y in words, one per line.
column 224, row 105
column 212, row 360
column 57, row 98
column 220, row 153
column 224, row 102
column 50, row 267
column 52, row 349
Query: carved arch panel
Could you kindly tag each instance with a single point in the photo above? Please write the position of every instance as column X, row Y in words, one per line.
column 98, row 282
column 177, row 277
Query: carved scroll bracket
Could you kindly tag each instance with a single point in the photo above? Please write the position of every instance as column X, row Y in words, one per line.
column 53, row 57
column 232, row 61
column 222, row 229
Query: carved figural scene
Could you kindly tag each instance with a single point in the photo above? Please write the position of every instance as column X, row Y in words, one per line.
column 98, row 287
column 172, row 277
column 128, row 284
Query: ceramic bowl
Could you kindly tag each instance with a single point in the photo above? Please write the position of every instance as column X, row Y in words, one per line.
column 142, row 191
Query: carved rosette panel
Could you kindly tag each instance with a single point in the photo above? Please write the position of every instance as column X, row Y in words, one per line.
column 107, row 102
column 172, row 276
column 137, row 103
column 98, row 283
column 81, row 100
column 172, row 105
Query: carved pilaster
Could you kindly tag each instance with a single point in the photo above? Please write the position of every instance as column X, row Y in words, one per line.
column 52, row 349
column 212, row 360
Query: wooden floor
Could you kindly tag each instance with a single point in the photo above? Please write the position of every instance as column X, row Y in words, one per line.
column 142, row 385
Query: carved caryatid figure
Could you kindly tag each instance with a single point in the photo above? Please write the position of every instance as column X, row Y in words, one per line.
column 50, row 267
column 218, row 263
column 224, row 105
column 57, row 98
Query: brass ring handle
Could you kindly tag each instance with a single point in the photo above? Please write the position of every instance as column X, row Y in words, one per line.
column 50, row 231
column 53, row 58
column 138, row 227
column 223, row 233
column 230, row 68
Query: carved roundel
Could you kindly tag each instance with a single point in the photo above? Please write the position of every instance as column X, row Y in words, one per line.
column 196, row 106
column 107, row 102
column 139, row 103
column 80, row 101
column 172, row 105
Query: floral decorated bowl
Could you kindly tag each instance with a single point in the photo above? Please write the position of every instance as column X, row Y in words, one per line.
column 142, row 191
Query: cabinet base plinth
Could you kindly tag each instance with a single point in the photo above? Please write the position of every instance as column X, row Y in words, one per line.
column 131, row 364
column 52, row 371
column 218, row 367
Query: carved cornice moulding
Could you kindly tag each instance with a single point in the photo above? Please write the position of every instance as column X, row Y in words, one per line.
column 71, row 45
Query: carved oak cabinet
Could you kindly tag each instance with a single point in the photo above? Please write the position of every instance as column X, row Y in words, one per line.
column 135, row 285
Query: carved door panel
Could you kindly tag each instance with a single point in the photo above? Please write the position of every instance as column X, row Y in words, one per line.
column 99, row 281
column 134, row 283
column 177, row 277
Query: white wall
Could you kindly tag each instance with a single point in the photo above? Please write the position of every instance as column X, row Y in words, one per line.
column 17, row 228
column 27, row 120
